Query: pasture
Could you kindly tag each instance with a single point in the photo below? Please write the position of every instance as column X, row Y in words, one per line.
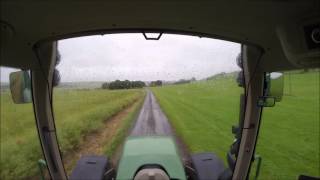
column 77, row 112
column 202, row 114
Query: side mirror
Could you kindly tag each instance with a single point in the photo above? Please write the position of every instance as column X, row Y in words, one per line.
column 273, row 91
column 275, row 84
column 20, row 86
column 56, row 78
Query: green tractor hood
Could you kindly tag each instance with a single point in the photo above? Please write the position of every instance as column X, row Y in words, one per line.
column 150, row 150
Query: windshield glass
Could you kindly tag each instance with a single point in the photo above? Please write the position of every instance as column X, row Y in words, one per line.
column 122, row 86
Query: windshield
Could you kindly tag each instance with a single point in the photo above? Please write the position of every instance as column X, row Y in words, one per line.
column 120, row 86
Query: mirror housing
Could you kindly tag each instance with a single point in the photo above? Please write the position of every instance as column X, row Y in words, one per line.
column 275, row 84
column 56, row 78
column 273, row 92
column 20, row 87
column 266, row 101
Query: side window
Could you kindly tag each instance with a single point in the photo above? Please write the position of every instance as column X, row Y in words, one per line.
column 20, row 145
column 289, row 133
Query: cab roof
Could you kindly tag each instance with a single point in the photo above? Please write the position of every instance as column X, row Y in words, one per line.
column 26, row 23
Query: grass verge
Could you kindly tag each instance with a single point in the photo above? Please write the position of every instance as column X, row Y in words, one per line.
column 77, row 112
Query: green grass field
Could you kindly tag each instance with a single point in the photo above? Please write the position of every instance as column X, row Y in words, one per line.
column 77, row 112
column 202, row 114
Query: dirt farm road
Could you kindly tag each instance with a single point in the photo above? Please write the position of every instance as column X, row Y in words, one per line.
column 151, row 119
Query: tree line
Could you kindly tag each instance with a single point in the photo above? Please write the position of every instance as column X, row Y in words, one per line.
column 126, row 84
column 156, row 83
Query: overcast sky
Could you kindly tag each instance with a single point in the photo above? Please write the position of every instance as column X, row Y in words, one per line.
column 130, row 56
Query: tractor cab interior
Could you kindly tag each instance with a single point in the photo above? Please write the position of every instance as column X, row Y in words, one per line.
column 273, row 36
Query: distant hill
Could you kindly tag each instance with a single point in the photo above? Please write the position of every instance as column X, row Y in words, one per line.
column 4, row 86
column 222, row 75
column 80, row 85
